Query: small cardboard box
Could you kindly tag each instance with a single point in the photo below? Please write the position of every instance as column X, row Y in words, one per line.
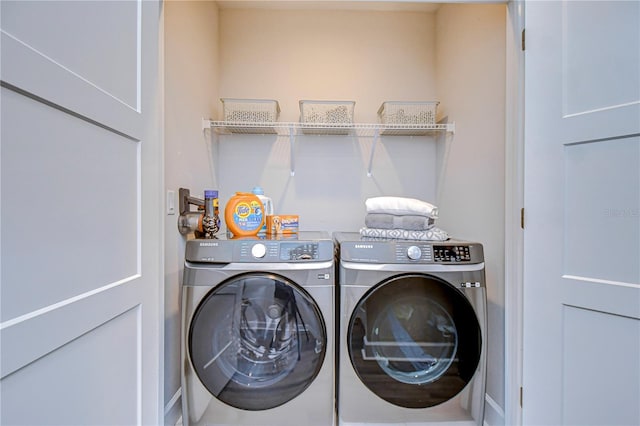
column 282, row 224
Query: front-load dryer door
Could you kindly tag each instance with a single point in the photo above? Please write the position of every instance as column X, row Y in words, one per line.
column 256, row 341
column 414, row 340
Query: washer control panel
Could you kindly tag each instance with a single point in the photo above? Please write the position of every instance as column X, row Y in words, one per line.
column 279, row 251
column 301, row 247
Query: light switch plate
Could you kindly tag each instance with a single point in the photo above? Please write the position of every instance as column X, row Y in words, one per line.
column 171, row 202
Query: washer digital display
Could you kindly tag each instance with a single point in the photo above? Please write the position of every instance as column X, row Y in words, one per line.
column 298, row 251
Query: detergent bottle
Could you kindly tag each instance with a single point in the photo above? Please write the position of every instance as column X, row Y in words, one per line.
column 267, row 204
column 244, row 214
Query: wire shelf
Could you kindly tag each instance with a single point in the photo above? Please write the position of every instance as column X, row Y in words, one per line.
column 297, row 128
column 294, row 129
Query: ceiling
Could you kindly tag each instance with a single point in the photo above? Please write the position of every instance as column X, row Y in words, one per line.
column 371, row 5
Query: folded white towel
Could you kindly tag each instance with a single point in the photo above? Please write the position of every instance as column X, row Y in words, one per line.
column 401, row 206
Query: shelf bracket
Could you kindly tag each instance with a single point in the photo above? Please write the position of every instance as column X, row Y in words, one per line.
column 376, row 137
column 206, row 124
column 292, row 157
column 451, row 128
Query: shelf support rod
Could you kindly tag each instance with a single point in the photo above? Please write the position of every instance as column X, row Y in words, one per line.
column 376, row 136
column 213, row 148
column 292, row 157
column 442, row 172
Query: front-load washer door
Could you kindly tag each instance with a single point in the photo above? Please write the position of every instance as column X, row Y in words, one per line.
column 256, row 341
column 414, row 340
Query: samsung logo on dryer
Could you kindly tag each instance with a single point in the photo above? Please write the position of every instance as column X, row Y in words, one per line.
column 208, row 244
column 363, row 246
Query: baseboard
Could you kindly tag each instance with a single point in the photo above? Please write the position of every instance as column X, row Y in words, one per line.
column 493, row 413
column 173, row 409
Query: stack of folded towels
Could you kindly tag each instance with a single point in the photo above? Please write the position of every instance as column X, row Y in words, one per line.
column 401, row 218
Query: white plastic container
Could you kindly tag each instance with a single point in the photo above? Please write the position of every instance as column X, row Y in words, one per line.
column 266, row 202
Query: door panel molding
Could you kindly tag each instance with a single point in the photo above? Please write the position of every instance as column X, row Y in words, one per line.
column 85, row 370
column 607, row 85
column 604, row 296
column 35, row 73
column 87, row 182
column 599, row 348
column 41, row 332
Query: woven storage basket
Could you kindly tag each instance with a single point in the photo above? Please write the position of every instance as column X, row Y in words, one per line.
column 404, row 113
column 250, row 110
column 326, row 117
column 240, row 111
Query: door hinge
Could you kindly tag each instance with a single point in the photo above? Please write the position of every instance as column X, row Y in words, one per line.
column 522, row 40
column 520, row 396
column 522, row 218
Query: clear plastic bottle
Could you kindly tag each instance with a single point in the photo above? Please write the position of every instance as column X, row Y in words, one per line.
column 266, row 202
column 211, row 218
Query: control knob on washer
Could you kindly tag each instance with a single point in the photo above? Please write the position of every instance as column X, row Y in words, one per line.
column 414, row 253
column 258, row 250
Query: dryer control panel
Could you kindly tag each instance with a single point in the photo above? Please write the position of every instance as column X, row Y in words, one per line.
column 353, row 248
column 433, row 253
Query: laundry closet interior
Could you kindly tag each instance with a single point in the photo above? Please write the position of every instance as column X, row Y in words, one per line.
column 366, row 52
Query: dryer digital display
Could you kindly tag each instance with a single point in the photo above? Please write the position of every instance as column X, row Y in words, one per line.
column 451, row 253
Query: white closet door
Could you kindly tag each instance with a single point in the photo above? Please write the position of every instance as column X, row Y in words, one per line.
column 582, row 224
column 81, row 176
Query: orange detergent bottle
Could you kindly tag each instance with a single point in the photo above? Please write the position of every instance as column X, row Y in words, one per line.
column 244, row 214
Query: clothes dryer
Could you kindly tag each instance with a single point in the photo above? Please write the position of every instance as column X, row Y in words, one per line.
column 258, row 331
column 412, row 344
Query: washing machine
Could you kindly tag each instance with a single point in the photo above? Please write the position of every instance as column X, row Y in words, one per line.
column 258, row 331
column 412, row 332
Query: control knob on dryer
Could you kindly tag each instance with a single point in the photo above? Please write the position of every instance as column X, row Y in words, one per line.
column 414, row 253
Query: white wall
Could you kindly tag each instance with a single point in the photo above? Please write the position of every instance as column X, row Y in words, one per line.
column 191, row 81
column 364, row 56
column 471, row 78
